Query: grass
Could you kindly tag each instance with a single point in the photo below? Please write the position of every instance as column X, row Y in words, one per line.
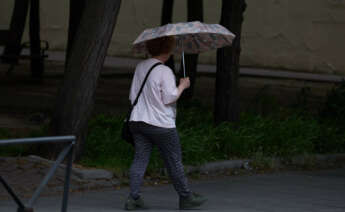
column 283, row 133
column 275, row 135
column 20, row 149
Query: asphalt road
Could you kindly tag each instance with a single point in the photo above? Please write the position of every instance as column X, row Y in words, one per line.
column 317, row 191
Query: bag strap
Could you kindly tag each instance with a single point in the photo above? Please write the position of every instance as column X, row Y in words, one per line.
column 142, row 85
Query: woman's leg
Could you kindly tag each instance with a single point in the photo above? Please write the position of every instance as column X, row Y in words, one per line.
column 143, row 148
column 168, row 142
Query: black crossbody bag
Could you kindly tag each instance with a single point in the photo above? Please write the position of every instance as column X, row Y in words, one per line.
column 126, row 132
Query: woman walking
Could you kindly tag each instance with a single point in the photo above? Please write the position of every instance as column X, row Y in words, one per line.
column 152, row 123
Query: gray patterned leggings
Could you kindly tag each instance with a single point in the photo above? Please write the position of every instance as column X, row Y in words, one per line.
column 168, row 143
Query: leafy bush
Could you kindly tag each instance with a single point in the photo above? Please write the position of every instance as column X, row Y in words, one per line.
column 281, row 134
column 269, row 136
column 334, row 106
column 104, row 147
column 11, row 150
column 4, row 134
column 274, row 138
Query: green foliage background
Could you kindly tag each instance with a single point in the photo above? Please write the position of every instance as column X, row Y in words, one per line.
column 202, row 141
column 282, row 133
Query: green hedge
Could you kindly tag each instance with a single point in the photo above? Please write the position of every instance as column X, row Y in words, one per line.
column 202, row 141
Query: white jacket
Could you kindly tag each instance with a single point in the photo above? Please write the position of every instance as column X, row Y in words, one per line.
column 157, row 102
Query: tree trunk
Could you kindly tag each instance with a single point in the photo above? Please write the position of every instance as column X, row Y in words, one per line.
column 76, row 97
column 167, row 13
column 195, row 13
column 226, row 99
column 37, row 65
column 76, row 8
column 18, row 20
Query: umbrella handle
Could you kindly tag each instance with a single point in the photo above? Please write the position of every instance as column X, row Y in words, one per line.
column 183, row 63
column 180, row 42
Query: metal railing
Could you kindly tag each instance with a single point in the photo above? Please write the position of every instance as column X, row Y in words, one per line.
column 67, row 151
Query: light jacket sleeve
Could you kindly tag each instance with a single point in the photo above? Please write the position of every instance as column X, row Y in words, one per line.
column 132, row 94
column 168, row 86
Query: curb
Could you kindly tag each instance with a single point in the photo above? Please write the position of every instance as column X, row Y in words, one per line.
column 212, row 167
column 276, row 163
column 82, row 174
column 217, row 166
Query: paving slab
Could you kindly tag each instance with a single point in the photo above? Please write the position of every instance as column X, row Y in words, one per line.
column 317, row 191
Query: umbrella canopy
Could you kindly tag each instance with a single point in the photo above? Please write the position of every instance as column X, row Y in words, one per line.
column 192, row 37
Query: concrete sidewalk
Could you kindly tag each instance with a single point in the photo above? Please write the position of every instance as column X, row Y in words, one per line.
column 130, row 63
column 127, row 65
column 291, row 191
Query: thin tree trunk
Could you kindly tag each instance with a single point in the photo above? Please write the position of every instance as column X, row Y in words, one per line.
column 37, row 65
column 76, row 8
column 76, row 97
column 195, row 13
column 226, row 99
column 167, row 14
column 13, row 47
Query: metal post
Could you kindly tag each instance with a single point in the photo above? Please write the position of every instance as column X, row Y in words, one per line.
column 58, row 139
column 60, row 158
column 11, row 192
column 25, row 210
column 69, row 150
column 67, row 179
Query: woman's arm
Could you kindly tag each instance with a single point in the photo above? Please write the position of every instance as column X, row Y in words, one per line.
column 184, row 84
column 170, row 92
column 174, row 96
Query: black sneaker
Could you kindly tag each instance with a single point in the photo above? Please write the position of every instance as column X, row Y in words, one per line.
column 132, row 204
column 194, row 200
